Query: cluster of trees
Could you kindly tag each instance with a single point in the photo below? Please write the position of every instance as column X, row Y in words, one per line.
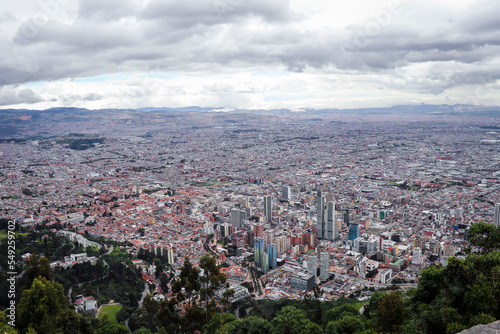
column 294, row 319
column 194, row 292
column 81, row 273
column 121, row 282
column 43, row 306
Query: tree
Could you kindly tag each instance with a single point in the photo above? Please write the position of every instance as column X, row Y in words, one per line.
column 112, row 328
column 348, row 324
column 481, row 319
column 37, row 267
column 150, row 308
column 390, row 312
column 429, row 285
column 27, row 192
column 4, row 327
column 455, row 281
column 70, row 322
column 485, row 236
column 338, row 312
column 373, row 304
column 217, row 322
column 434, row 319
column 211, row 280
column 291, row 320
column 188, row 279
column 250, row 325
column 480, row 298
column 41, row 306
column 168, row 316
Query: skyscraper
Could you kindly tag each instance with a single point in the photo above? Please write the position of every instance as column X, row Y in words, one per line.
column 330, row 221
column 235, row 218
column 320, row 222
column 353, row 231
column 268, row 209
column 324, row 264
column 272, row 252
column 170, row 255
column 336, row 228
column 312, row 265
column 258, row 229
column 286, row 193
column 264, row 265
column 258, row 250
column 269, row 237
column 497, row 215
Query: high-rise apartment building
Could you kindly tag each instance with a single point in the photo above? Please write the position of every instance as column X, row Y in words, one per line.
column 320, row 222
column 330, row 221
column 312, row 265
column 286, row 193
column 268, row 208
column 324, row 265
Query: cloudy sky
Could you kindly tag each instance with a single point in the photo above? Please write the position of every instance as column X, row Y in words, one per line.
column 248, row 53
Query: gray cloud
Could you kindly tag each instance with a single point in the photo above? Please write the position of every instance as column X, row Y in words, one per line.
column 122, row 35
column 13, row 95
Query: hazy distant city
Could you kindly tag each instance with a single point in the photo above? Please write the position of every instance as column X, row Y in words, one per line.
column 355, row 199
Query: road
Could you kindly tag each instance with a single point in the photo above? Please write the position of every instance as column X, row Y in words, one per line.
column 144, row 293
column 109, row 250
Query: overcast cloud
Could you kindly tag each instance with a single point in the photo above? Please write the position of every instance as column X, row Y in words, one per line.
column 248, row 53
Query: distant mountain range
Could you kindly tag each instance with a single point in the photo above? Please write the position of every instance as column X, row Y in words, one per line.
column 399, row 109
column 23, row 124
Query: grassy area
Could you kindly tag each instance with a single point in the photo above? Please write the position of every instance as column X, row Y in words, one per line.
column 110, row 311
column 3, row 234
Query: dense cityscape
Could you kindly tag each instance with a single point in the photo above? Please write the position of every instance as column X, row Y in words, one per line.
column 326, row 204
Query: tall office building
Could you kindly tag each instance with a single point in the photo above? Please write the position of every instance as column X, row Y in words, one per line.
column 417, row 256
column 286, row 193
column 312, row 265
column 258, row 250
column 324, row 265
column 497, row 214
column 170, row 255
column 280, row 244
column 330, row 221
column 268, row 208
column 272, row 253
column 320, row 222
column 258, row 229
column 269, row 237
column 264, row 264
column 353, row 231
column 336, row 229
column 226, row 230
column 235, row 218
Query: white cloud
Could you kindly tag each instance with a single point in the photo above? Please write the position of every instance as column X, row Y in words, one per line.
column 326, row 54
